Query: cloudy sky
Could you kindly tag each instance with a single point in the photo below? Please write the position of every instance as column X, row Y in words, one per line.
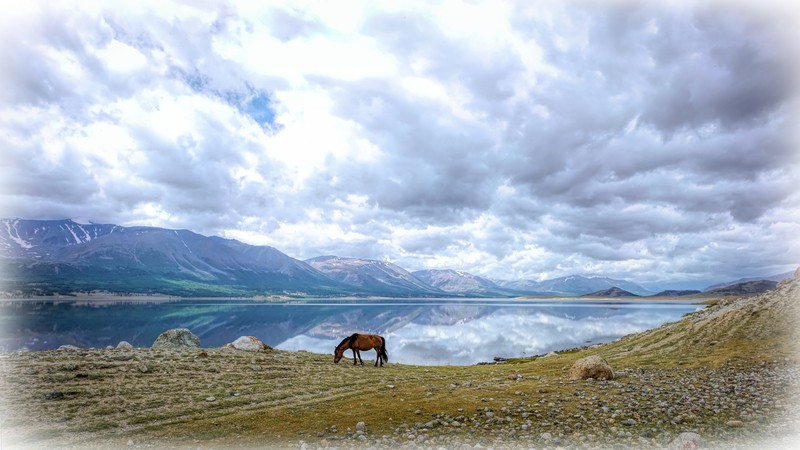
column 651, row 141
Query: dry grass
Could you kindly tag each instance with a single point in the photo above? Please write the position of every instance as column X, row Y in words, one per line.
column 98, row 398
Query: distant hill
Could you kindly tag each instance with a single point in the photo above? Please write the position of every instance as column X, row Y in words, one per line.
column 463, row 283
column 676, row 293
column 64, row 256
column 573, row 285
column 611, row 292
column 379, row 277
column 744, row 288
column 778, row 277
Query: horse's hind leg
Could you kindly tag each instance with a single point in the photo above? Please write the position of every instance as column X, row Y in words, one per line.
column 359, row 358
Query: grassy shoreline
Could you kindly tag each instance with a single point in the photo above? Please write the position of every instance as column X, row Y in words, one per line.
column 226, row 398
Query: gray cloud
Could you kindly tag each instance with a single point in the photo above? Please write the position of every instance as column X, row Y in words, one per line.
column 635, row 140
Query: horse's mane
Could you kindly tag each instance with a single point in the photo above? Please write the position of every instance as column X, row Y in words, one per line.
column 346, row 340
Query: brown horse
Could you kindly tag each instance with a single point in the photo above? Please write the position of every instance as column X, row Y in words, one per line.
column 357, row 342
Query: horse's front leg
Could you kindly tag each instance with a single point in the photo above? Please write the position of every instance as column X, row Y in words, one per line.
column 354, row 357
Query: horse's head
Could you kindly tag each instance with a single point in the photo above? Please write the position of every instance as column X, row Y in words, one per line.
column 337, row 355
column 339, row 351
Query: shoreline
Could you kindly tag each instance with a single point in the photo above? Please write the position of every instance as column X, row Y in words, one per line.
column 128, row 298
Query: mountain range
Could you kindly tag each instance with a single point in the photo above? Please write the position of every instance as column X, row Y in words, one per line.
column 63, row 256
column 574, row 285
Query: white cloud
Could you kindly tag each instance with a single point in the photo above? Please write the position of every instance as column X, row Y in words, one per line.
column 646, row 141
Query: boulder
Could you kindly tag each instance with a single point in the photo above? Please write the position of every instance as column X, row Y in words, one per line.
column 591, row 367
column 249, row 344
column 686, row 441
column 177, row 338
column 68, row 347
column 124, row 345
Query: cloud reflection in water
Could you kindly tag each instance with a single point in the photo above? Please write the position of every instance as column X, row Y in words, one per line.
column 507, row 332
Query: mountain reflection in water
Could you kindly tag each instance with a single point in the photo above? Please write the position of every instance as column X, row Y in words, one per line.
column 418, row 331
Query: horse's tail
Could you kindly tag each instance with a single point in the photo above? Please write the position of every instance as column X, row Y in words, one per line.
column 382, row 351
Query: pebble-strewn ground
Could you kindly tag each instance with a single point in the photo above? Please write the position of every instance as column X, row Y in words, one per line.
column 731, row 407
column 730, row 374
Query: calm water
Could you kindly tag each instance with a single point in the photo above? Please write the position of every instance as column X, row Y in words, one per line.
column 417, row 331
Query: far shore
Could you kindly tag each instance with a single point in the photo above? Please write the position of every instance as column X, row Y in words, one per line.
column 112, row 297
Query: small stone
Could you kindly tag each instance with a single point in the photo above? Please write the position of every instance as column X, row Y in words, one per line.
column 130, row 442
column 734, row 423
column 141, row 367
column 361, row 426
column 211, row 399
column 54, row 395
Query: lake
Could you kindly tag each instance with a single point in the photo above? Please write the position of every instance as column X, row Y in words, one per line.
column 417, row 331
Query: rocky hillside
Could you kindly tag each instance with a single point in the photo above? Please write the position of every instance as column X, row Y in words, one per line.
column 761, row 327
column 461, row 283
column 369, row 275
column 63, row 256
column 744, row 288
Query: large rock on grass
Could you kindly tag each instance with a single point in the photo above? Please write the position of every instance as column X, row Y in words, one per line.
column 591, row 367
column 177, row 338
column 250, row 344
